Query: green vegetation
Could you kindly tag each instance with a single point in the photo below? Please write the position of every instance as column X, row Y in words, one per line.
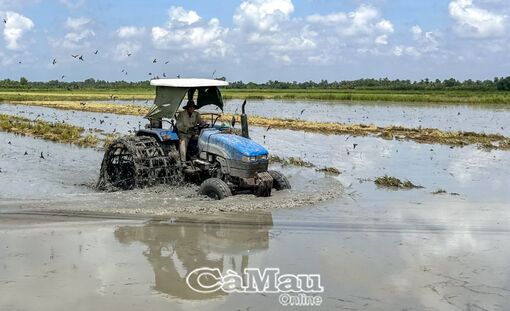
column 329, row 170
column 58, row 132
column 393, row 182
column 496, row 91
column 290, row 161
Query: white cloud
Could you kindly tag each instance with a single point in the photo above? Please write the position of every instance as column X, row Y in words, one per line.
column 15, row 28
column 382, row 40
column 472, row 21
column 262, row 15
column 130, row 32
column 423, row 43
column 79, row 34
column 180, row 15
column 364, row 21
column 185, row 32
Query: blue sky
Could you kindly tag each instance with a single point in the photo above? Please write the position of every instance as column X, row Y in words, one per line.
column 254, row 40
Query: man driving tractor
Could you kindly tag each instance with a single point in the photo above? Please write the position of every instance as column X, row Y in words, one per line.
column 187, row 122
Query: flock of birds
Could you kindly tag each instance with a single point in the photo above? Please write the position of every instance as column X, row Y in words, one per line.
column 123, row 71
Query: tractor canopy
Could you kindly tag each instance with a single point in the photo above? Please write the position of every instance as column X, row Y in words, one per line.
column 171, row 92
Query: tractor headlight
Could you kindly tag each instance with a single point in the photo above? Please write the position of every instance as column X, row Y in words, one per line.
column 254, row 159
column 249, row 159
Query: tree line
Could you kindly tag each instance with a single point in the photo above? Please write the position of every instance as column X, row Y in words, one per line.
column 500, row 84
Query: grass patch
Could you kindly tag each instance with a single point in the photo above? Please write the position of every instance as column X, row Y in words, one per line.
column 395, row 183
column 294, row 161
column 439, row 191
column 57, row 132
column 329, row 170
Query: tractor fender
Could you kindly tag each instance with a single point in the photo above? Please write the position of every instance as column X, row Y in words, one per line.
column 224, row 166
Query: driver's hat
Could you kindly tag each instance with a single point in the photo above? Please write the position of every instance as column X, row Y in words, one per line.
column 190, row 104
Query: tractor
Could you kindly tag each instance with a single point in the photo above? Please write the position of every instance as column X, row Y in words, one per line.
column 221, row 160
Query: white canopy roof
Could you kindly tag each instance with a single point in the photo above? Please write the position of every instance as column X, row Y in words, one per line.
column 188, row 83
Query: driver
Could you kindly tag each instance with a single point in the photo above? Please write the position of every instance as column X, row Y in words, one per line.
column 186, row 121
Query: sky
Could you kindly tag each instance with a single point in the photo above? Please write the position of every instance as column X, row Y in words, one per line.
column 254, row 40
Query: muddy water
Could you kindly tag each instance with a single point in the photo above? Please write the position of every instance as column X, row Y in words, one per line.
column 477, row 118
column 134, row 265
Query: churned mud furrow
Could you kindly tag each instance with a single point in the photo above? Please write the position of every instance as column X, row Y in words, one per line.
column 419, row 135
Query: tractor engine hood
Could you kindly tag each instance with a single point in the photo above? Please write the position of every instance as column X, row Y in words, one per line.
column 229, row 146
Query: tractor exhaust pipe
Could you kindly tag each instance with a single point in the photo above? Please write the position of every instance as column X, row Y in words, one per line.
column 244, row 122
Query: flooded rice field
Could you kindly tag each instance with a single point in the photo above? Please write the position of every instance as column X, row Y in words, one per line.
column 491, row 119
column 375, row 248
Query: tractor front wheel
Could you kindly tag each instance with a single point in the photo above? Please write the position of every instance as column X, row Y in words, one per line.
column 280, row 182
column 215, row 188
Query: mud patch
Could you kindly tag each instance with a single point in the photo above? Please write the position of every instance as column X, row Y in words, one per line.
column 309, row 188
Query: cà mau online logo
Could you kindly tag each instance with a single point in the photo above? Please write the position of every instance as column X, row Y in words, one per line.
column 253, row 280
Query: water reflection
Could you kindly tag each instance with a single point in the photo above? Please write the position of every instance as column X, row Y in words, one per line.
column 176, row 249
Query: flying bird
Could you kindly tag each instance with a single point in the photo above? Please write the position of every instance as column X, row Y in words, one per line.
column 154, row 61
column 129, row 54
column 150, row 73
column 166, row 62
column 214, row 72
column 63, row 76
column 54, row 61
column 302, row 111
column 74, row 56
column 164, row 75
column 178, row 76
column 81, row 58
column 42, row 156
column 5, row 21
column 26, row 153
column 354, row 146
column 97, row 51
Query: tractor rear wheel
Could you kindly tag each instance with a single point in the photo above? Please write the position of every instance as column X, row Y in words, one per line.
column 215, row 188
column 280, row 182
column 137, row 162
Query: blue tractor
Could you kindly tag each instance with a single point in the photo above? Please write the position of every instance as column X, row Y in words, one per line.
column 221, row 160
